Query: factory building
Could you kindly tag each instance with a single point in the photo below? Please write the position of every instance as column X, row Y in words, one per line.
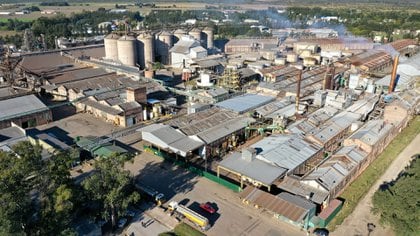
column 186, row 49
column 335, row 174
column 250, row 45
column 221, row 130
column 282, row 154
column 25, row 111
column 122, row 107
column 285, row 206
column 372, row 138
column 170, row 140
column 334, row 44
column 331, row 134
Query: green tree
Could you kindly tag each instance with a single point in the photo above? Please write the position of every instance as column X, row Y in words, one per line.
column 36, row 195
column 398, row 203
column 112, row 187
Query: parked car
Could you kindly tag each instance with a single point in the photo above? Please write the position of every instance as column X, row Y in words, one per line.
column 122, row 222
column 130, row 213
column 207, row 207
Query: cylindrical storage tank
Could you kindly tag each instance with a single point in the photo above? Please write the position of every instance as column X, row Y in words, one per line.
column 144, row 114
column 165, row 42
column 292, row 57
column 196, row 33
column 127, row 51
column 111, row 49
column 178, row 34
column 146, row 50
column 209, row 37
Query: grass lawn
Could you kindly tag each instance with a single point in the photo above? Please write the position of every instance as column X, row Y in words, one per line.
column 357, row 190
column 183, row 230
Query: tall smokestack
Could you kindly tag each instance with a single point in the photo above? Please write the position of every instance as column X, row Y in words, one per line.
column 393, row 74
column 329, row 77
column 298, row 91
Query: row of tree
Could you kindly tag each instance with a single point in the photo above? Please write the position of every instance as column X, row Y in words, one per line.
column 398, row 202
column 39, row 197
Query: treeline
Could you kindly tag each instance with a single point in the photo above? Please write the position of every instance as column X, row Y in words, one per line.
column 16, row 39
column 72, row 26
column 58, row 4
column 397, row 203
column 39, row 197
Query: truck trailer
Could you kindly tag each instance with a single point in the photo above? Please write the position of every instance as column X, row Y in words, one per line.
column 191, row 215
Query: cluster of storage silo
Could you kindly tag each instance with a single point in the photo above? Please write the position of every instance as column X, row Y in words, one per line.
column 148, row 47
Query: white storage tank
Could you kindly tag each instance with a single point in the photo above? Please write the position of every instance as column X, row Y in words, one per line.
column 196, row 33
column 111, row 49
column 164, row 43
column 146, row 50
column 127, row 51
column 209, row 41
column 280, row 61
column 178, row 34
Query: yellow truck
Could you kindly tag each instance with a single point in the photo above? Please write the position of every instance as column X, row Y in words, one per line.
column 191, row 215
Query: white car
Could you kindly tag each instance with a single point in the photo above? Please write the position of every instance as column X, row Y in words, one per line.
column 122, row 222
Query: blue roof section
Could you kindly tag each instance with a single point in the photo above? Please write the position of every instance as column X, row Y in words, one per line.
column 244, row 103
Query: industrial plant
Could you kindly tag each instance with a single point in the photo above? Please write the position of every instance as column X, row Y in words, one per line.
column 282, row 123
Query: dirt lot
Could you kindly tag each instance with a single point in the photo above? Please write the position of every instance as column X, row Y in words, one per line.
column 80, row 124
column 356, row 223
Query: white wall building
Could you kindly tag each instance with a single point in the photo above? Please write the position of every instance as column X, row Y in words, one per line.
column 186, row 49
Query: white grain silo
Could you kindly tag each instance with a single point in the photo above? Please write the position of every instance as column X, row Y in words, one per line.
column 111, row 49
column 164, row 43
column 178, row 34
column 146, row 50
column 196, row 33
column 127, row 51
column 209, row 40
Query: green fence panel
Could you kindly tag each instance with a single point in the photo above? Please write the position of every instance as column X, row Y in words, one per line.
column 195, row 170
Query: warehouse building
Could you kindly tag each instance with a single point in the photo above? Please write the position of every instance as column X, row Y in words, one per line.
column 281, row 154
column 168, row 139
column 335, row 174
column 245, row 103
column 221, row 130
column 332, row 133
column 250, row 45
column 26, row 111
column 285, row 206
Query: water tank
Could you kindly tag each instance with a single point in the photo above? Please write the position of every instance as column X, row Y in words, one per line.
column 196, row 33
column 146, row 50
column 111, row 49
column 127, row 51
column 178, row 34
column 209, row 37
column 165, row 42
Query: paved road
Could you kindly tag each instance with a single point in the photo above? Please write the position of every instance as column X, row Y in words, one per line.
column 232, row 217
column 153, row 228
column 356, row 223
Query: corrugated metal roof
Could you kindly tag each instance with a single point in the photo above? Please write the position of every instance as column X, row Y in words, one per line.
column 244, row 103
column 100, row 107
column 20, row 106
column 168, row 136
column 292, row 207
column 372, row 131
column 224, row 129
column 255, row 169
column 297, row 187
column 287, row 151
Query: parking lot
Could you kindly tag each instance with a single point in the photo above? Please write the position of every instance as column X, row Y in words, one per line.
column 231, row 218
